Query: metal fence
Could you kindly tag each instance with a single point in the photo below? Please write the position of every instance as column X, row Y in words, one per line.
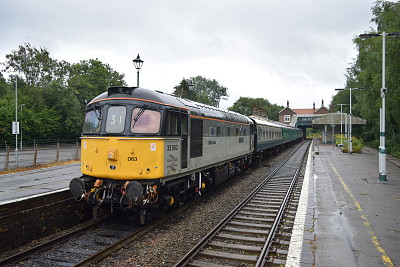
column 33, row 153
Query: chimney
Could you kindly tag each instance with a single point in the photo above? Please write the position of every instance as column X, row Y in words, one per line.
column 313, row 106
column 322, row 103
column 287, row 103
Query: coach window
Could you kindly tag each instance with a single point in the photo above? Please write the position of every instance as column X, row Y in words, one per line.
column 228, row 133
column 115, row 122
column 145, row 121
column 218, row 131
column 237, row 131
column 92, row 121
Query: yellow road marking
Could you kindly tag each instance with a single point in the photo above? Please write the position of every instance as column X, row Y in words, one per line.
column 386, row 260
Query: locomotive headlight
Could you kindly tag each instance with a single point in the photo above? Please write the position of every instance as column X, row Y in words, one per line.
column 112, row 154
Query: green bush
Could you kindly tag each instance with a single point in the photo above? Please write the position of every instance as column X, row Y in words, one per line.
column 358, row 144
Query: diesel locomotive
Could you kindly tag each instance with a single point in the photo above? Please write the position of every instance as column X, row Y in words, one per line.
column 142, row 148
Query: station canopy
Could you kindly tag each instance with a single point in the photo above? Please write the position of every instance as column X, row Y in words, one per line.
column 333, row 119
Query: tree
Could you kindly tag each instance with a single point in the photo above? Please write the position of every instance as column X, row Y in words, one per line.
column 89, row 78
column 35, row 65
column 54, row 93
column 4, row 88
column 366, row 71
column 256, row 106
column 204, row 90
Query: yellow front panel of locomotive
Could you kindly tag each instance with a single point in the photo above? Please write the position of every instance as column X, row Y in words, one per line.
column 122, row 158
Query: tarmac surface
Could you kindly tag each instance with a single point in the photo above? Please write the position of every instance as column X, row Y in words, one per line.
column 350, row 218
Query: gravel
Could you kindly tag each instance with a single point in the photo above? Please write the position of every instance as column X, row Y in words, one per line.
column 170, row 241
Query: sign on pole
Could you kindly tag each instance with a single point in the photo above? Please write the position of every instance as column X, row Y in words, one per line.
column 15, row 127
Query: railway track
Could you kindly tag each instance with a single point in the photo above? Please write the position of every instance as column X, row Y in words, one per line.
column 88, row 244
column 245, row 236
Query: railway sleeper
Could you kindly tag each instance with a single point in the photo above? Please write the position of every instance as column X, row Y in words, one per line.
column 251, row 239
column 252, row 225
column 228, row 256
column 262, row 206
column 245, row 231
column 249, row 249
column 246, row 218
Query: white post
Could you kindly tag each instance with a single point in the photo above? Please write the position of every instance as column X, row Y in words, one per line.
column 16, row 121
column 20, row 147
column 341, row 119
column 382, row 148
column 350, row 139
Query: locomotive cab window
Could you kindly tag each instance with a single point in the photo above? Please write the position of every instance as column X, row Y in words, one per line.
column 92, row 121
column 172, row 124
column 184, row 125
column 145, row 121
column 115, row 122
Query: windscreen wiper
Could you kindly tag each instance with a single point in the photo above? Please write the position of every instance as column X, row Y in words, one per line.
column 97, row 112
column 138, row 115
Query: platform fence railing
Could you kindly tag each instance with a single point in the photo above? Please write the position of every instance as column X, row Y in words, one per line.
column 38, row 152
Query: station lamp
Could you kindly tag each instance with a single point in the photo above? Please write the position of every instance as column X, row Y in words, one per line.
column 138, row 65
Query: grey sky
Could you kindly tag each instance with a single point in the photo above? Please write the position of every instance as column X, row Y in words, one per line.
column 279, row 50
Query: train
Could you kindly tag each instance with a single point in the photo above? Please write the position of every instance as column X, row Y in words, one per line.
column 148, row 149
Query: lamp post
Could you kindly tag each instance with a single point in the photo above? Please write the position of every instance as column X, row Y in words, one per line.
column 20, row 147
column 350, row 143
column 191, row 87
column 221, row 98
column 138, row 65
column 15, row 125
column 341, row 123
column 382, row 148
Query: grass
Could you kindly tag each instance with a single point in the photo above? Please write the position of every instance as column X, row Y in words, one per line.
column 39, row 166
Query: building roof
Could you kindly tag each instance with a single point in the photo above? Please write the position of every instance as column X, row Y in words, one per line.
column 304, row 111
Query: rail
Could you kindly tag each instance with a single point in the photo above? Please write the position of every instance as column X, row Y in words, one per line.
column 240, row 216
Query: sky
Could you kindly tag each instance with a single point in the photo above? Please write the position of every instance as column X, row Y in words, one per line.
column 292, row 50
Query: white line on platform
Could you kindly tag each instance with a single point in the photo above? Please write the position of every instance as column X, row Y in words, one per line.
column 33, row 196
column 296, row 240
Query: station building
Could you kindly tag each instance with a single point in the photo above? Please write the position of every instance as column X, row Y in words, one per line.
column 319, row 118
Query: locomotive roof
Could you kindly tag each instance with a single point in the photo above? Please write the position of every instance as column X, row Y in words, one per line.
column 195, row 109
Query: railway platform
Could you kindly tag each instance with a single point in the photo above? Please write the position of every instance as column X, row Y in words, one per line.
column 29, row 184
column 346, row 216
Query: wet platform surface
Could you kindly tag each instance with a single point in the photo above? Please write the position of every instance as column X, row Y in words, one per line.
column 349, row 217
column 22, row 185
